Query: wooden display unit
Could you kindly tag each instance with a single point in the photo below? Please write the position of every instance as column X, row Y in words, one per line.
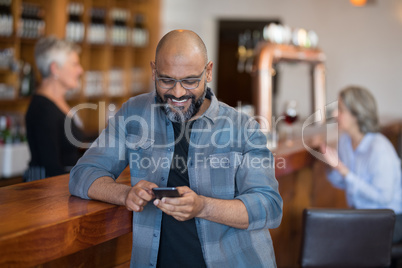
column 102, row 57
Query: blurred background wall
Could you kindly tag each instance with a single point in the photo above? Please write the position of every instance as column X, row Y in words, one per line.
column 363, row 45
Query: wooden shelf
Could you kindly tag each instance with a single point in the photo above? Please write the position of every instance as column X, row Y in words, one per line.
column 94, row 57
column 6, row 71
column 29, row 41
column 122, row 47
column 18, row 99
column 7, row 40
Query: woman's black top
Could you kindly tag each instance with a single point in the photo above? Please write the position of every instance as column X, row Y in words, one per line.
column 48, row 143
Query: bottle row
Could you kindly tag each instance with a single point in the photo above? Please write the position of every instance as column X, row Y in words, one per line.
column 7, row 92
column 6, row 24
column 102, row 34
column 14, row 150
column 94, row 86
column 95, row 83
column 119, row 33
column 31, row 25
column 6, row 18
column 12, row 128
column 26, row 82
column 8, row 60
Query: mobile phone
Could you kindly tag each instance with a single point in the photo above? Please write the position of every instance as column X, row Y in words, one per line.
column 165, row 192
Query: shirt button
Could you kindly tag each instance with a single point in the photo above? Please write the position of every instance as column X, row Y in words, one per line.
column 163, row 179
column 155, row 235
column 169, row 149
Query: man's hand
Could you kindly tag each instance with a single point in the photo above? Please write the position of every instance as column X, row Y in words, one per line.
column 188, row 206
column 232, row 213
column 139, row 196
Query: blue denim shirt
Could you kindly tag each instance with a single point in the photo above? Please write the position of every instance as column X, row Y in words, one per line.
column 227, row 159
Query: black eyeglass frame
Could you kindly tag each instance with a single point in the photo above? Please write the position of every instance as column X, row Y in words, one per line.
column 198, row 80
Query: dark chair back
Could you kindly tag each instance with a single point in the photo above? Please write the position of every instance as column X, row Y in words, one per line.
column 347, row 237
column 396, row 255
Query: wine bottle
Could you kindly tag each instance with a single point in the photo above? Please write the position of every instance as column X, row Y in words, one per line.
column 27, row 80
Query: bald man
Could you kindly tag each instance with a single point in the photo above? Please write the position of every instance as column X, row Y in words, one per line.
column 181, row 136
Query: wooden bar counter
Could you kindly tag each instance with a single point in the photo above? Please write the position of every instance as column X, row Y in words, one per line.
column 42, row 225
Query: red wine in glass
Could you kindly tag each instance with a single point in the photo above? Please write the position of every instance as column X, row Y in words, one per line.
column 290, row 112
column 290, row 118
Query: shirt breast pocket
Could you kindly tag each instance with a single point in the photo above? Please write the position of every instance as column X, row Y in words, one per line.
column 223, row 168
column 139, row 153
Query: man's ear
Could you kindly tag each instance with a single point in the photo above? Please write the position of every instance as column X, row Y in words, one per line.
column 209, row 71
column 153, row 68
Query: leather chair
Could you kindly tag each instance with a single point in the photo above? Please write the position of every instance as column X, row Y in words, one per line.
column 396, row 255
column 347, row 237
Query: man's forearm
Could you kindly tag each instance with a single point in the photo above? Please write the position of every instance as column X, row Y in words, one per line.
column 107, row 190
column 229, row 212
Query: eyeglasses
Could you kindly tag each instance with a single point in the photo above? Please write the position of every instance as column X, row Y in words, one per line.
column 187, row 83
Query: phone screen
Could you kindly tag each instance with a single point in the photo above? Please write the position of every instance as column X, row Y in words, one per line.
column 165, row 192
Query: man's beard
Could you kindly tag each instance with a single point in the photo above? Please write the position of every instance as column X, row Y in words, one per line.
column 176, row 114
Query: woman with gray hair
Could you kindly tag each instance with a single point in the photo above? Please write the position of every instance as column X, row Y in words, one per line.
column 51, row 153
column 367, row 167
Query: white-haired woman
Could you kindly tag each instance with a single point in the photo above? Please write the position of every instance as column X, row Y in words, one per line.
column 51, row 152
column 368, row 167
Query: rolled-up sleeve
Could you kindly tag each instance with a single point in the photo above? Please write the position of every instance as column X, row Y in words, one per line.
column 105, row 157
column 257, row 185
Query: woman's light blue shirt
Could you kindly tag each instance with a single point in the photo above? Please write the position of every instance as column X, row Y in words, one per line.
column 374, row 178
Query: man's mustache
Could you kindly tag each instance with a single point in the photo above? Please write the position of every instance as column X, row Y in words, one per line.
column 168, row 96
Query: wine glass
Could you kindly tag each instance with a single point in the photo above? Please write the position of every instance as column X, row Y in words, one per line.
column 291, row 115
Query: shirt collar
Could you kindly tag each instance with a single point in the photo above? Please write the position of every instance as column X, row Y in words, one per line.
column 365, row 143
column 213, row 110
